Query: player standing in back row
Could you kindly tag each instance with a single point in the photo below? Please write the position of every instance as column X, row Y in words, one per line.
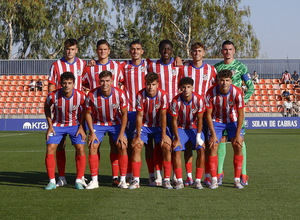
column 240, row 73
column 75, row 65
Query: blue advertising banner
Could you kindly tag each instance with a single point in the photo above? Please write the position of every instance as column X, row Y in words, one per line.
column 250, row 123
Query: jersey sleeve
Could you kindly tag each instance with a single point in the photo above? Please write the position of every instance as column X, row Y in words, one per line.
column 165, row 102
column 173, row 108
column 139, row 102
column 239, row 100
column 88, row 101
column 248, row 82
column 121, row 72
column 201, row 105
column 123, row 100
column 53, row 75
column 208, row 99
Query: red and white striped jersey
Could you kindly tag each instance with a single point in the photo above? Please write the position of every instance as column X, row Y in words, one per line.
column 186, row 113
column 61, row 66
column 91, row 73
column 151, row 107
column 134, row 81
column 66, row 111
column 106, row 111
column 204, row 77
column 224, row 107
column 168, row 76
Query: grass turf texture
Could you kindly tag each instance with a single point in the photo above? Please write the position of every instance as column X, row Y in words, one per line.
column 273, row 191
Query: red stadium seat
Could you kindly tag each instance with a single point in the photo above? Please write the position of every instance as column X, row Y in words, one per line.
column 42, row 77
column 38, row 93
column 7, row 105
column 15, row 105
column 264, row 92
column 6, row 88
column 45, row 82
column 277, row 92
column 9, row 99
column 4, row 94
column 43, row 99
column 29, row 77
column 22, row 105
column 28, row 105
column 262, row 81
column 23, row 77
column 35, row 77
column 270, row 92
column 18, row 94
column 8, row 83
column 263, row 87
column 14, row 83
column 31, row 94
column 11, row 94
column 13, row 88
column 274, row 109
column 266, row 103
column 41, row 111
column 259, row 103
column 292, row 98
column 35, row 105
column 282, row 86
column 251, row 103
column 256, row 87
column 258, row 98
column 268, row 81
column 290, row 86
column 252, row 109
column 33, row 111
column 20, row 111
column 2, row 83
column 2, row 99
column 6, row 111
column 30, row 99
column 2, row 104
column 292, row 92
column 269, row 87
column 275, row 81
column 273, row 103
column 23, row 99
column 27, row 111
column 17, row 99
column 259, row 109
column 279, row 103
column 41, row 105
column 9, row 77
column 257, row 92
column 44, row 94
column 24, row 94
column 252, row 98
column 37, row 99
column 247, row 109
column 16, row 77
column 266, row 109
column 265, row 98
column 2, row 77
column 13, row 111
column 27, row 82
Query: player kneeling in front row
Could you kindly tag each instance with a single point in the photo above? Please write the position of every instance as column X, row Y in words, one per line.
column 151, row 121
column 225, row 110
column 187, row 111
column 67, row 104
column 106, row 111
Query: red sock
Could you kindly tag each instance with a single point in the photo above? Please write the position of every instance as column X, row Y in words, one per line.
column 123, row 160
column 61, row 162
column 114, row 164
column 50, row 165
column 136, row 168
column 157, row 157
column 167, row 169
column 213, row 164
column 150, row 165
column 94, row 164
column 188, row 167
column 237, row 164
column 178, row 172
column 199, row 173
column 80, row 166
column 207, row 169
column 129, row 168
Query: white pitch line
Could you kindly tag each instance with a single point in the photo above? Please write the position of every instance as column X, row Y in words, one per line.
column 9, row 135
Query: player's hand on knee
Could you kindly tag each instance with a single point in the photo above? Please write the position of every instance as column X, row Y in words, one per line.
column 136, row 141
column 213, row 142
column 81, row 132
column 176, row 143
column 92, row 138
column 50, row 132
column 122, row 141
column 165, row 140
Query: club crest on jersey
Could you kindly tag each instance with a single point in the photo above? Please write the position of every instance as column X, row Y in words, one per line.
column 194, row 110
column 157, row 106
column 79, row 73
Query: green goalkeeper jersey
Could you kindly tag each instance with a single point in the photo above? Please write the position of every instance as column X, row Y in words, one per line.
column 240, row 73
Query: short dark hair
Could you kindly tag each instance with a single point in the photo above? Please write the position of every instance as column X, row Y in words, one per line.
column 186, row 81
column 151, row 77
column 224, row 74
column 70, row 42
column 197, row 45
column 165, row 42
column 104, row 74
column 227, row 42
column 103, row 41
column 67, row 75
column 135, row 42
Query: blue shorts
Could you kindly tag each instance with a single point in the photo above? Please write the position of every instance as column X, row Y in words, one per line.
column 154, row 132
column 60, row 132
column 230, row 127
column 113, row 131
column 188, row 134
column 131, row 123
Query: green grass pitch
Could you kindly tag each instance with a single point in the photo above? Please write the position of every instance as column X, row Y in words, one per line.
column 273, row 193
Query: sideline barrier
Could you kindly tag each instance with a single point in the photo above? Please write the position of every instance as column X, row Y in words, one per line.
column 250, row 123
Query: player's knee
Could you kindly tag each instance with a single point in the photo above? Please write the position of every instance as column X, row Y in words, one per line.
column 166, row 147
